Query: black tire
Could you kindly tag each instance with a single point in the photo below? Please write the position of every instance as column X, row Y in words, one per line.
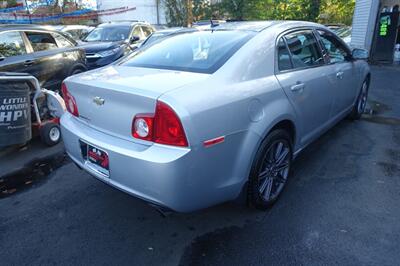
column 359, row 106
column 50, row 134
column 257, row 190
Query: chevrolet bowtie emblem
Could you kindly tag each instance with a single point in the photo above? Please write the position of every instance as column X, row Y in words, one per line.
column 99, row 101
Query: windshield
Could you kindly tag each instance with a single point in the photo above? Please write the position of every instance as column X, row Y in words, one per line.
column 154, row 37
column 344, row 32
column 202, row 52
column 103, row 34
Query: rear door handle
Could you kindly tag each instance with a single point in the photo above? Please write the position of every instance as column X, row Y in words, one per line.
column 297, row 87
column 339, row 75
column 29, row 62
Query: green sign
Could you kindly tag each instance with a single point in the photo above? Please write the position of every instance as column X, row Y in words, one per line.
column 384, row 24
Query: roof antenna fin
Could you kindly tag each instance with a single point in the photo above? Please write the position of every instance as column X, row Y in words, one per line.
column 213, row 25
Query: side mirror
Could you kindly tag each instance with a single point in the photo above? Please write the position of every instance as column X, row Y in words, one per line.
column 360, row 54
column 134, row 39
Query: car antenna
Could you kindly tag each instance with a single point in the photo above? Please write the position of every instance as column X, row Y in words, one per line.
column 213, row 25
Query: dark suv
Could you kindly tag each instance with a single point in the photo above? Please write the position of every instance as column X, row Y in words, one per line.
column 110, row 41
column 48, row 55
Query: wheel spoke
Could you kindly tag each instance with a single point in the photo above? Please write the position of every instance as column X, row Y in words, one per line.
column 281, row 167
column 266, row 194
column 278, row 151
column 282, row 156
column 264, row 174
column 264, row 184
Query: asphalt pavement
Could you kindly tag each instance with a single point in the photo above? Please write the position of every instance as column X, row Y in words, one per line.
column 14, row 159
column 341, row 207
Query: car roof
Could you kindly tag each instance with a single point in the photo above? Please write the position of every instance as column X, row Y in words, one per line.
column 175, row 30
column 76, row 27
column 5, row 27
column 257, row 26
column 123, row 23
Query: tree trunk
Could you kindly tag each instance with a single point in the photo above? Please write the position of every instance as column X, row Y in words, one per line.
column 189, row 8
column 315, row 6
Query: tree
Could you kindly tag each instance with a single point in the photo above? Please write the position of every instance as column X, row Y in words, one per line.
column 315, row 6
column 176, row 11
column 325, row 11
column 337, row 11
column 11, row 3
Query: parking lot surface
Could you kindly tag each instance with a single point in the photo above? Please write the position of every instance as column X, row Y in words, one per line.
column 341, row 207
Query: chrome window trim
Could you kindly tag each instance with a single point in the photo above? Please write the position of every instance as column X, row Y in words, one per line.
column 282, row 34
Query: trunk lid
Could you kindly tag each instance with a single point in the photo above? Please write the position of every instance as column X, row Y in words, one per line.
column 109, row 98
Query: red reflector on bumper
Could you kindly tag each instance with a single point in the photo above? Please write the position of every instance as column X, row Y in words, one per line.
column 212, row 142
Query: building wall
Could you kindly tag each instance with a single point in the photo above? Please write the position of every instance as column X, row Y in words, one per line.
column 364, row 20
column 146, row 10
column 390, row 3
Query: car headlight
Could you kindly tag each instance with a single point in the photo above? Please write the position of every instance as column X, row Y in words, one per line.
column 109, row 52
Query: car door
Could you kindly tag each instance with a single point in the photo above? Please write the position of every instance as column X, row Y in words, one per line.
column 47, row 62
column 70, row 55
column 14, row 56
column 302, row 73
column 342, row 71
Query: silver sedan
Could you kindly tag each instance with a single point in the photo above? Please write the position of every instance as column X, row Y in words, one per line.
column 205, row 116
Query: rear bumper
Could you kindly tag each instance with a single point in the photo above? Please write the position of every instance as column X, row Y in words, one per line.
column 158, row 174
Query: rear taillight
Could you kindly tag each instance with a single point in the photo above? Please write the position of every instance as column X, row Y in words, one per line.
column 168, row 127
column 163, row 127
column 69, row 100
column 143, row 127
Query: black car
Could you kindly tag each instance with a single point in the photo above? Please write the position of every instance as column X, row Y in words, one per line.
column 48, row 55
column 110, row 41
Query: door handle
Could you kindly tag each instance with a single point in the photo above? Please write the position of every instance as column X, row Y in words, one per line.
column 297, row 87
column 339, row 75
column 29, row 62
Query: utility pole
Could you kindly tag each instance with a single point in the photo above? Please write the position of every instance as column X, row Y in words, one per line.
column 28, row 12
column 189, row 8
column 158, row 11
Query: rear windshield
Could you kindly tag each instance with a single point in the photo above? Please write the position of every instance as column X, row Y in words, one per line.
column 202, row 52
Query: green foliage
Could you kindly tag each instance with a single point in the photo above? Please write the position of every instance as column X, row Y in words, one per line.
column 11, row 3
column 176, row 11
column 325, row 11
column 337, row 11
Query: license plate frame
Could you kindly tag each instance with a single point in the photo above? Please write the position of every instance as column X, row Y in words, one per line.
column 96, row 158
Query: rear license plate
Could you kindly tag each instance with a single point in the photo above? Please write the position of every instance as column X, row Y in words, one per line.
column 97, row 158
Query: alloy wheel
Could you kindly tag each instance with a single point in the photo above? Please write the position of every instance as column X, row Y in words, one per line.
column 274, row 170
column 362, row 102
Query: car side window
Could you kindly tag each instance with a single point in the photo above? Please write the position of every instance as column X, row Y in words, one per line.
column 138, row 32
column 334, row 48
column 146, row 31
column 284, row 61
column 76, row 34
column 304, row 49
column 62, row 41
column 41, row 41
column 11, row 44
